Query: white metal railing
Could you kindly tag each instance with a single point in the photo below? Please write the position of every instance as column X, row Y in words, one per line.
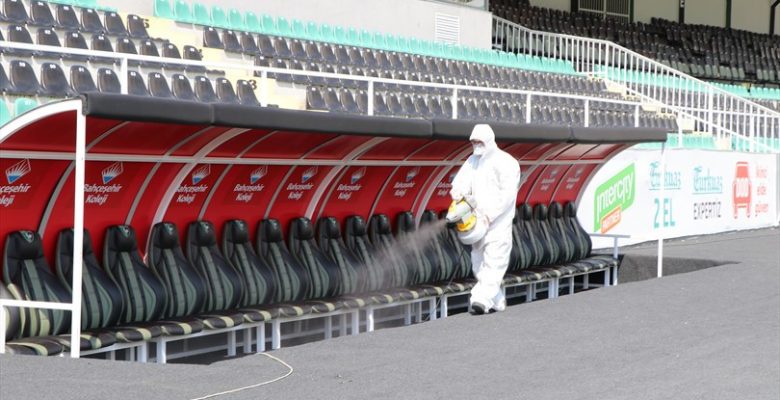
column 720, row 110
column 121, row 63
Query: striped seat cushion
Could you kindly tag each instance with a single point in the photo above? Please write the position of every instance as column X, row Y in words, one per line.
column 222, row 320
column 90, row 340
column 137, row 333
column 258, row 315
column 34, row 347
column 181, row 326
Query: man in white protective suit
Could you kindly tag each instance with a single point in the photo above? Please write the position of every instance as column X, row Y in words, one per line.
column 489, row 181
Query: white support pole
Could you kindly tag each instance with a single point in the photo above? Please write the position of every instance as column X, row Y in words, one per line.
column 587, row 113
column 261, row 337
column 264, row 89
column 370, row 98
column 661, row 204
column 454, row 103
column 78, row 232
column 123, row 81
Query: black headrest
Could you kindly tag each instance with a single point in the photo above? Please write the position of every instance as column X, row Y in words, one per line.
column 428, row 217
column 122, row 238
column 301, row 229
column 381, row 224
column 405, row 222
column 271, row 230
column 540, row 212
column 570, row 210
column 236, row 231
column 356, row 226
column 556, row 210
column 525, row 211
column 165, row 235
column 66, row 241
column 24, row 245
column 328, row 228
column 202, row 233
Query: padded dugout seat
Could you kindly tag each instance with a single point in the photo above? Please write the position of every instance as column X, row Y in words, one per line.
column 257, row 276
column 24, row 346
column 101, row 301
column 29, row 277
column 143, row 292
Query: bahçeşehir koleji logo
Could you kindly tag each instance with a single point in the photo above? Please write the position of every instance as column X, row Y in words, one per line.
column 258, row 174
column 412, row 173
column 112, row 171
column 201, row 173
column 308, row 174
column 18, row 170
column 612, row 198
column 357, row 175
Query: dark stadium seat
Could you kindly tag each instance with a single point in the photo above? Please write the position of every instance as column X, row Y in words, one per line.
column 158, row 85
column 246, row 93
column 20, row 34
column 181, row 87
column 382, row 238
column 314, row 99
column 204, row 90
column 136, row 27
column 66, row 17
column 15, row 12
column 14, row 326
column 230, row 41
column 371, row 274
column 225, row 92
column 211, row 38
column 136, row 85
column 40, row 14
column 5, row 84
column 90, row 21
column 81, row 79
column 248, row 43
column 107, row 81
column 53, row 81
column 101, row 42
column 114, row 24
column 22, row 79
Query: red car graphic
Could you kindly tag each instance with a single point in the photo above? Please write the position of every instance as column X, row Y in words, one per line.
column 742, row 189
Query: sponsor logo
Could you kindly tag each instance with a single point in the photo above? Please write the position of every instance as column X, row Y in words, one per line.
column 18, row 170
column 200, row 174
column 613, row 197
column 412, row 173
column 761, row 204
column 706, row 210
column 12, row 175
column 112, row 171
column 258, row 174
column 547, row 182
column 296, row 190
column 741, row 188
column 28, row 236
column 443, row 187
column 706, row 183
column 572, row 181
column 345, row 190
column 672, row 179
column 308, row 174
column 187, row 193
column 400, row 187
column 357, row 175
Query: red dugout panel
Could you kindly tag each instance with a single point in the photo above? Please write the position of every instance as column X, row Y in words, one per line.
column 292, row 197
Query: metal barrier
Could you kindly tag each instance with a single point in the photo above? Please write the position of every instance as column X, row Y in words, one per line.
column 715, row 110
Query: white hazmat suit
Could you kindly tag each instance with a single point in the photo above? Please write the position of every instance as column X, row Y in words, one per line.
column 489, row 181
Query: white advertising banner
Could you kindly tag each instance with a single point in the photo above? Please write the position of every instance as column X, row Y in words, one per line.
column 704, row 192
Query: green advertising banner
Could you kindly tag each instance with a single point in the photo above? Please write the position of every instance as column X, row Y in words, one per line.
column 612, row 198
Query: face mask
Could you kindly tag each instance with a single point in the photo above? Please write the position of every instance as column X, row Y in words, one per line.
column 479, row 149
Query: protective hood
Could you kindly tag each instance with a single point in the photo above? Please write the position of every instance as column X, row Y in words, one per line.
column 484, row 134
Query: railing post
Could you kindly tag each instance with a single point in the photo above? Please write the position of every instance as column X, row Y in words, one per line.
column 455, row 103
column 587, row 113
column 370, row 95
column 636, row 116
column 528, row 108
column 123, row 70
column 78, row 233
column 264, row 89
